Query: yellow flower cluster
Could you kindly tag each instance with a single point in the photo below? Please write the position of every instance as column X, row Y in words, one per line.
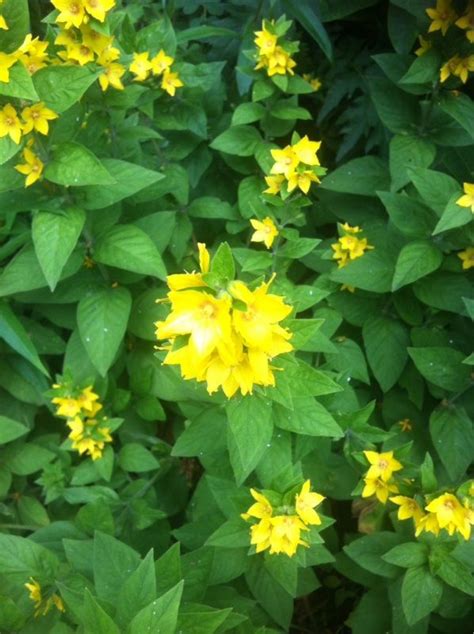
column 295, row 166
column 43, row 604
column 281, row 533
column 78, row 12
column 159, row 65
column 443, row 512
column 265, row 231
column 457, row 67
column 314, row 82
column 88, row 434
column 349, row 247
column 274, row 57
column 226, row 338
column 379, row 479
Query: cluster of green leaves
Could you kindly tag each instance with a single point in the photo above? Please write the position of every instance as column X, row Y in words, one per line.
column 134, row 180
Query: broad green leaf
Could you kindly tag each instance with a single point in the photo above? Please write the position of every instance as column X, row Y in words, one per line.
column 202, row 619
column 349, row 358
column 416, row 260
column 212, row 207
column 55, row 235
column 288, row 110
column 367, row 552
column 398, row 111
column 222, row 264
column 407, row 555
column 406, row 152
column 453, row 216
column 247, row 113
column 457, row 575
column 113, row 563
column 364, row 176
column 102, row 318
column 231, row 534
column 240, row 140
column 435, row 188
column 410, row 216
column 32, row 512
column 130, row 248
column 385, row 343
column 461, row 108
column 95, row 619
column 17, row 17
column 59, row 87
column 136, row 458
column 24, row 558
column 73, row 165
column 27, row 458
column 269, row 593
column 168, row 569
column 308, row 417
column 249, row 432
column 20, row 85
column 204, row 436
column 13, row 332
column 452, row 434
column 8, row 149
column 11, row 430
column 307, row 14
column 137, row 592
column 424, row 70
column 372, row 272
column 161, row 615
column 441, row 366
column 421, row 593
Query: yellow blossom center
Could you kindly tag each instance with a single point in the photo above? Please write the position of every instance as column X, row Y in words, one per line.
column 74, row 8
column 208, row 310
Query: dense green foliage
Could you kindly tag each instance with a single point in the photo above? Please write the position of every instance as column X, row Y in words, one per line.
column 148, row 536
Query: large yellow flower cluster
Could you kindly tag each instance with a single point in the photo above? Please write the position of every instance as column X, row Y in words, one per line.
column 349, row 247
column 281, row 532
column 227, row 338
column 43, row 604
column 159, row 65
column 295, row 166
column 275, row 58
column 88, row 433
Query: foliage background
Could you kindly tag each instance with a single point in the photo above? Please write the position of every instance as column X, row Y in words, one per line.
column 170, row 172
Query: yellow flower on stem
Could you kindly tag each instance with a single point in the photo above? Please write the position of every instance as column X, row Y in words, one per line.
column 161, row 63
column 428, row 523
column 181, row 281
column 98, row 8
column 80, row 53
column 274, row 184
column 170, row 82
column 36, row 118
column 42, row 605
column 442, row 16
column 467, row 200
column 302, row 180
column 340, row 254
column 88, row 436
column 286, row 534
column 97, row 42
column 286, row 161
column 112, row 76
column 265, row 231
column 464, row 66
column 306, row 151
column 314, row 82
column 355, row 247
column 279, row 62
column 467, row 258
column 3, row 23
column 379, row 488
column 140, row 66
column 405, row 424
column 32, row 168
column 383, row 465
column 466, row 22
column 425, row 46
column 6, row 62
column 348, row 229
column 260, row 535
column 450, row 514
column 262, row 507
column 71, row 12
column 306, row 502
column 265, row 40
column 408, row 508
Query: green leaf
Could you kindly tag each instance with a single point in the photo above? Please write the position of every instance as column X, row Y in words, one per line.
column 421, row 594
column 205, row 435
column 73, row 165
column 113, row 563
column 445, row 291
column 249, row 432
column 453, row 216
column 385, row 343
column 55, row 236
column 27, row 458
column 137, row 459
column 415, row 260
column 362, row 176
column 17, row 17
column 247, row 113
column 307, row 14
column 288, row 110
column 424, row 70
column 269, row 593
column 59, row 87
column 24, row 558
column 410, row 216
column 398, row 111
column 453, row 438
column 202, row 619
column 231, row 534
column 8, row 149
column 95, row 619
column 240, row 140
column 137, row 592
column 441, row 366
column 461, row 108
column 222, row 264
column 168, row 569
column 11, row 430
column 407, row 152
column 349, row 358
column 161, row 615
column 307, row 417
column 367, row 551
column 102, row 318
column 435, row 188
column 407, row 555
column 130, row 248
column 457, row 575
column 20, row 85
column 212, row 207
column 13, row 332
column 130, row 179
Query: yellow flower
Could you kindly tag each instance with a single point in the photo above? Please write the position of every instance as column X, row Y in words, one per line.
column 43, row 606
column 466, row 22
column 278, row 62
column 88, row 436
column 80, row 53
column 449, row 68
column 379, row 488
column 161, row 63
column 265, row 231
column 181, row 281
column 141, row 66
column 170, row 82
column 262, row 508
column 3, row 23
column 314, row 82
column 70, row 406
column 464, row 66
column 306, row 501
column 32, row 168
column 286, row 161
column 450, row 514
column 383, row 465
column 425, row 46
column 442, row 16
column 67, row 38
column 348, row 229
column 428, row 523
column 260, row 535
column 305, row 151
column 6, row 62
column 97, row 42
column 286, row 534
column 88, row 400
column 405, row 424
column 35, row 592
column 274, row 184
column 467, row 258
column 265, row 40
column 348, row 247
column 467, row 200
column 10, row 124
column 71, row 12
column 408, row 508
column 36, row 118
column 348, row 288
column 340, row 255
column 112, row 76
column 98, row 8
column 302, row 180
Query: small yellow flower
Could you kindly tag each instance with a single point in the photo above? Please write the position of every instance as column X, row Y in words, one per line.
column 405, row 425
column 6, row 62
column 141, row 66
column 260, row 535
column 265, row 231
column 3, row 23
column 170, row 82
column 97, row 42
column 348, row 288
column 346, row 227
column 36, row 118
column 314, row 82
column 98, row 8
column 161, row 63
column 467, row 200
column 306, row 502
column 286, row 534
column 306, row 151
column 32, row 168
column 266, row 41
column 262, row 508
column 112, row 76
column 442, row 16
column 274, row 184
column 408, row 508
column 466, row 22
column 80, row 53
column 383, row 465
column 42, row 605
column 467, row 258
column 302, row 180
column 379, row 488
column 88, row 263
column 279, row 62
column 450, row 514
column 428, row 523
column 425, row 46
column 71, row 12
column 449, row 68
column 286, row 161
